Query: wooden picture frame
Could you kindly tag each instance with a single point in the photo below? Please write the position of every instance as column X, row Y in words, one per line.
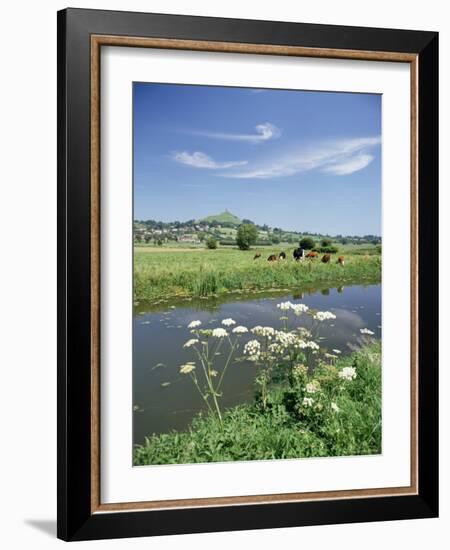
column 81, row 35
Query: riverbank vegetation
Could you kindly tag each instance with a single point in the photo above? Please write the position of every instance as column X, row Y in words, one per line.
column 171, row 272
column 309, row 401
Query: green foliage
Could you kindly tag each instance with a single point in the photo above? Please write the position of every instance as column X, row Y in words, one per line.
column 211, row 243
column 330, row 249
column 344, row 418
column 247, row 235
column 307, row 243
column 159, row 273
column 275, row 239
column 325, row 243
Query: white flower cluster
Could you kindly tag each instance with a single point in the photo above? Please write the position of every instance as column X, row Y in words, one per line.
column 240, row 330
column 268, row 332
column 298, row 309
column 308, row 401
column 366, row 331
column 309, row 344
column 285, row 340
column 187, row 368
column 347, row 373
column 253, row 350
column 338, row 351
column 190, row 343
column 284, row 306
column 324, row 315
column 300, row 370
column 194, row 324
column 312, row 387
column 228, row 322
column 219, row 333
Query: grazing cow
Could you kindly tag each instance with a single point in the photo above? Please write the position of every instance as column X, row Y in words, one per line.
column 272, row 258
column 341, row 261
column 282, row 256
column 256, row 256
column 311, row 255
column 326, row 258
column 299, row 254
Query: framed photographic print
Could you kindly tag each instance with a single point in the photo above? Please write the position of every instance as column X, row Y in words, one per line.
column 247, row 262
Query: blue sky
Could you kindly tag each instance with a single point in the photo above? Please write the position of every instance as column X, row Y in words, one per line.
column 303, row 161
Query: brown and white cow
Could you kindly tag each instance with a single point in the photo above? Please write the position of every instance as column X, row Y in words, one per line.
column 311, row 255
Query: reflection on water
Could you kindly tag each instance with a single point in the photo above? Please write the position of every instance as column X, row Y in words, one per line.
column 164, row 400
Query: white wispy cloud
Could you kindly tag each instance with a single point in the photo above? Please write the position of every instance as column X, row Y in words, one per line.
column 348, row 166
column 201, row 160
column 263, row 132
column 339, row 157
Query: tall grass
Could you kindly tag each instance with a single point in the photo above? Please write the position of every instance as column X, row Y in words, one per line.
column 203, row 273
column 285, row 428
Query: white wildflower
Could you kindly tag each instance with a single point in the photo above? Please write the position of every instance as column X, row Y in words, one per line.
column 338, row 351
column 219, row 332
column 194, row 324
column 308, row 401
column 347, row 373
column 324, row 315
column 312, row 387
column 190, row 343
column 298, row 309
column 213, row 373
column 334, row 407
column 186, row 369
column 252, row 349
column 264, row 331
column 228, row 322
column 366, row 331
column 284, row 306
column 240, row 330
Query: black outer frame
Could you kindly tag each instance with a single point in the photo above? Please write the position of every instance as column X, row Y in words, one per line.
column 75, row 521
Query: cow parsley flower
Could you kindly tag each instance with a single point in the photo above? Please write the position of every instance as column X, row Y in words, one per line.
column 194, row 324
column 308, row 401
column 264, row 331
column 347, row 373
column 187, row 368
column 338, row 351
column 240, row 330
column 253, row 350
column 312, row 387
column 366, row 331
column 300, row 370
column 228, row 322
column 284, row 306
column 219, row 333
column 298, row 309
column 190, row 343
column 324, row 315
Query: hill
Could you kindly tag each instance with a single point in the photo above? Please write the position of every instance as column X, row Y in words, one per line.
column 224, row 217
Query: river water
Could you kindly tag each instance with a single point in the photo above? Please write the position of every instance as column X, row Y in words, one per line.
column 164, row 399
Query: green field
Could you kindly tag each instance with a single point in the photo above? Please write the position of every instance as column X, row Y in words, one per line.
column 163, row 272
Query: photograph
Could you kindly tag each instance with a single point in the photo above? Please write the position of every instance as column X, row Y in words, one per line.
column 257, row 269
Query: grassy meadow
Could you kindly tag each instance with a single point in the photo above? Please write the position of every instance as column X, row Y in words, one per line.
column 169, row 272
